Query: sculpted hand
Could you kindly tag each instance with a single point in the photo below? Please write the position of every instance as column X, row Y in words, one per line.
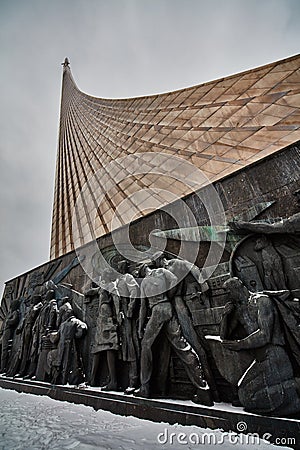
column 120, row 318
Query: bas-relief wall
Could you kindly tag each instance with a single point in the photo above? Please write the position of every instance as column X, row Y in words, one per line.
column 275, row 179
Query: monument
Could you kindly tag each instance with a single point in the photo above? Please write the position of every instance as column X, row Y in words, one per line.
column 175, row 257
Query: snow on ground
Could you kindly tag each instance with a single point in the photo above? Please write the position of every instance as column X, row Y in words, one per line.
column 30, row 422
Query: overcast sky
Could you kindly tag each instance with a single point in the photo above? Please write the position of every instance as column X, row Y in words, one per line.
column 117, row 48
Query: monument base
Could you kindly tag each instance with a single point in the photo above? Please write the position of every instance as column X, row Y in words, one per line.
column 285, row 432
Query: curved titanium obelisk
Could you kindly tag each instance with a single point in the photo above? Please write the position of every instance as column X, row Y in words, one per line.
column 220, row 127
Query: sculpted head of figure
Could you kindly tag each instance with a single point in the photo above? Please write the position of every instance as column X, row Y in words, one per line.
column 143, row 270
column 35, row 299
column 49, row 285
column 159, row 259
column 50, row 295
column 66, row 311
column 108, row 275
column 123, row 266
column 235, row 289
column 261, row 243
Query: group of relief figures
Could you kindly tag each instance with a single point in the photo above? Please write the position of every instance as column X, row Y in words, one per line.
column 58, row 339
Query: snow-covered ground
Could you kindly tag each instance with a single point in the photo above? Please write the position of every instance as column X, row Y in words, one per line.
column 37, row 422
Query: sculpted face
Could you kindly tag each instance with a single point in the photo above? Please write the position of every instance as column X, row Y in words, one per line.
column 122, row 267
column 260, row 243
column 147, row 270
column 143, row 270
column 35, row 300
column 159, row 259
column 234, row 288
column 108, row 275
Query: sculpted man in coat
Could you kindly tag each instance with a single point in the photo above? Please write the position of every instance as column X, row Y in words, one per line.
column 154, row 293
column 128, row 290
column 268, row 385
column 26, row 328
column 106, row 335
column 66, row 359
column 9, row 326
column 189, row 288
